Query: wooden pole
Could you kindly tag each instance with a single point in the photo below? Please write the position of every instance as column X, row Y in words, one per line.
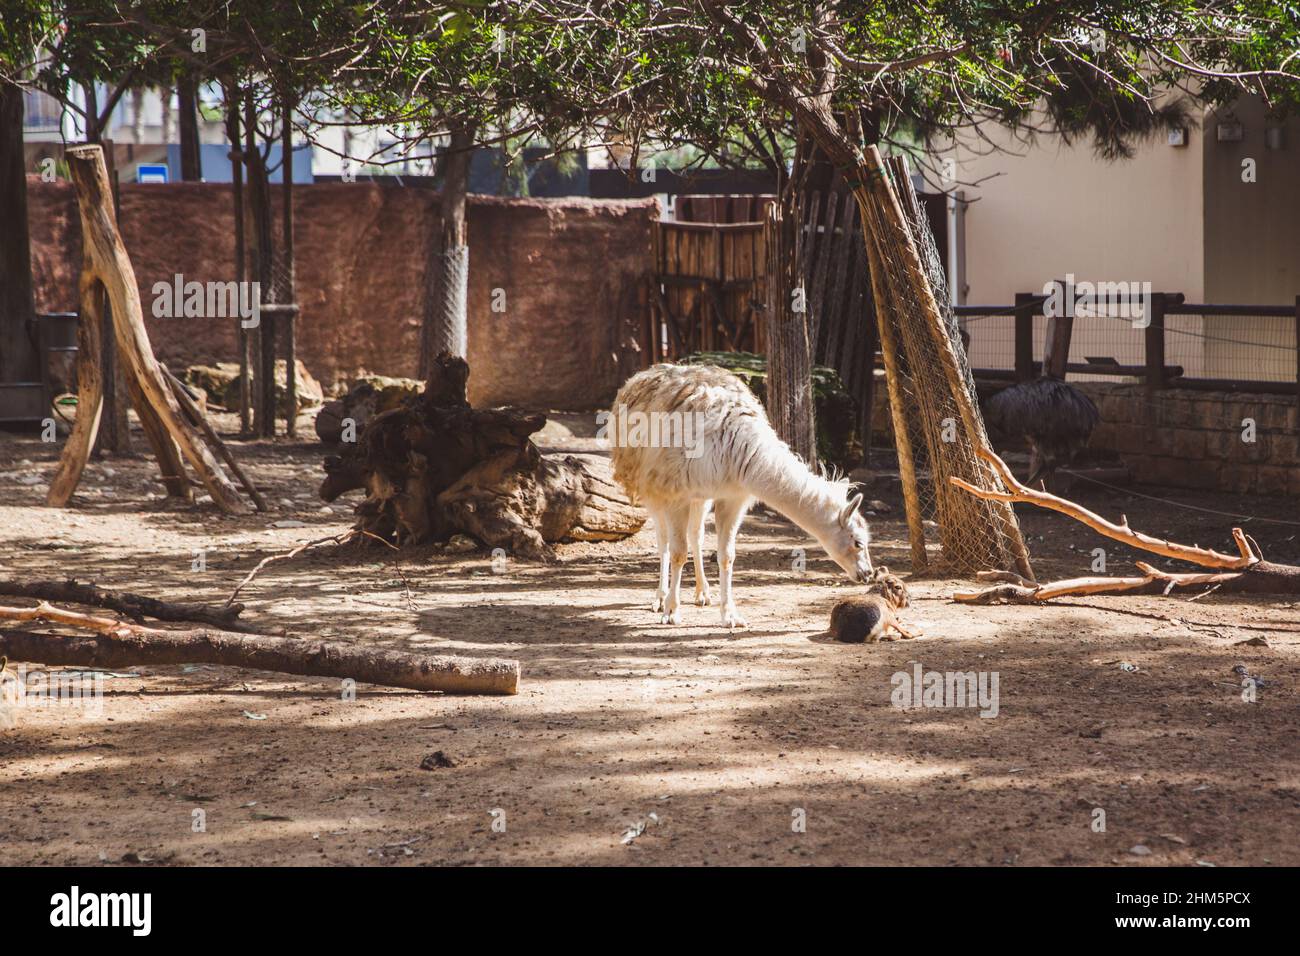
column 897, row 411
column 196, row 418
column 887, row 204
column 259, row 257
column 1154, row 338
column 90, row 395
column 1024, row 336
column 112, row 266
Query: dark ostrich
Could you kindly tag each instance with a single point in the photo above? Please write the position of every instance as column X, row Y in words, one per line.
column 1055, row 418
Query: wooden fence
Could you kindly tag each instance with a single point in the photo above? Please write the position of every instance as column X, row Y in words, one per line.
column 707, row 291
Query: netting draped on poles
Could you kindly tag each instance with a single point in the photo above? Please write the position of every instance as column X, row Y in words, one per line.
column 937, row 424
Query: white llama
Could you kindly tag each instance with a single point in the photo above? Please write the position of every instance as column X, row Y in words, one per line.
column 685, row 436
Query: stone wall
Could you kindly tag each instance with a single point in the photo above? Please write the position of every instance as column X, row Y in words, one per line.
column 1181, row 437
column 572, row 274
column 1184, row 438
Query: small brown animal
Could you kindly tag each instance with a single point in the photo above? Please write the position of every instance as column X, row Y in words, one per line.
column 869, row 619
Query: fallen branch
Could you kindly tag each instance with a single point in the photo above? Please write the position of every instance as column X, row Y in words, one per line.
column 135, row 606
column 1118, row 532
column 118, row 644
column 332, row 539
column 1245, row 572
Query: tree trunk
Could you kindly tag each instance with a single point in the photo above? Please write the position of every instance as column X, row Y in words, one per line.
column 19, row 359
column 187, row 98
column 789, row 352
column 287, row 291
column 231, row 91
column 259, row 256
column 446, row 326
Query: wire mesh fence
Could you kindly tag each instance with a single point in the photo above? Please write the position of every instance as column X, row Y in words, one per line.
column 938, row 432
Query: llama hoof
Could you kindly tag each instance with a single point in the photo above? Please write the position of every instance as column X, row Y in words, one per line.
column 703, row 598
column 731, row 619
column 671, row 617
column 658, row 604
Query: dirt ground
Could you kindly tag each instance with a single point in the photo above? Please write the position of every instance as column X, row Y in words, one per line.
column 632, row 742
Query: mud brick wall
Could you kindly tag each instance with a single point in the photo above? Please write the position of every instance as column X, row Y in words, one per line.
column 1185, row 438
column 573, row 275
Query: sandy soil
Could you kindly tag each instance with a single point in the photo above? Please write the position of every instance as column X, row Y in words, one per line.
column 633, row 742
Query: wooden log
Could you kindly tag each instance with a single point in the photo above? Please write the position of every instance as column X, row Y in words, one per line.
column 196, row 417
column 104, row 247
column 135, row 606
column 90, row 395
column 118, row 645
column 174, row 478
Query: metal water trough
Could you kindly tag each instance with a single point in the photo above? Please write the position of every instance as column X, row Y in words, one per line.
column 56, row 339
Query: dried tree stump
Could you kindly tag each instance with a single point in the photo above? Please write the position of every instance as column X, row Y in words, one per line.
column 436, row 466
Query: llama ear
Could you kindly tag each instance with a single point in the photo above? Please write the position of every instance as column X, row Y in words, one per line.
column 850, row 510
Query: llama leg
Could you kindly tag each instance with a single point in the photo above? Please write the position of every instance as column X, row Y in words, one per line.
column 678, row 518
column 661, row 534
column 727, row 516
column 696, row 529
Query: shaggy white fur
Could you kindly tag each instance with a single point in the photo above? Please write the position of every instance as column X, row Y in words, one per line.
column 685, row 436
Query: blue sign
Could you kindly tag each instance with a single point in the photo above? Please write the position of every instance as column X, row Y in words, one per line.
column 151, row 173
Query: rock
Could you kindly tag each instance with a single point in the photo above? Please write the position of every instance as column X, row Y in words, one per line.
column 1140, row 850
column 461, row 544
column 436, row 761
column 220, row 382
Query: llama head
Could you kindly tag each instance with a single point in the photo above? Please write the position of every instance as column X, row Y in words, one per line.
column 848, row 541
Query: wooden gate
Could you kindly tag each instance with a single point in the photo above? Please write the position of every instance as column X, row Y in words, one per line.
column 708, row 289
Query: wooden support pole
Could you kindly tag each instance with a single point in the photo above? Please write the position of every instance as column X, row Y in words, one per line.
column 112, row 266
column 1297, row 362
column 1025, row 309
column 196, row 418
column 231, row 90
column 1056, row 354
column 1154, row 339
column 90, row 394
column 897, row 410
column 886, row 202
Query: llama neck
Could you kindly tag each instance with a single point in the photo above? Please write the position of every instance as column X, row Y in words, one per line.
column 777, row 476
